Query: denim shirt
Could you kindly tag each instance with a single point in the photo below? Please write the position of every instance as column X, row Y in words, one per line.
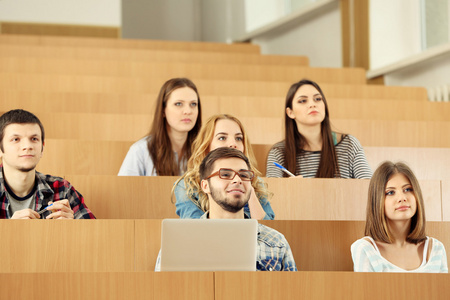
column 273, row 251
column 187, row 209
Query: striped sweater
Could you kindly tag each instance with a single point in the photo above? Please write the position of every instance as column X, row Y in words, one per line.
column 350, row 156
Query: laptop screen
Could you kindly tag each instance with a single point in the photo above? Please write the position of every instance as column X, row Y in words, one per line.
column 208, row 245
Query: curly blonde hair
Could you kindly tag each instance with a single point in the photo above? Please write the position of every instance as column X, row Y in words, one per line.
column 201, row 147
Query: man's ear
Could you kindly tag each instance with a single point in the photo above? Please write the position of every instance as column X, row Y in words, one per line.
column 42, row 152
column 205, row 186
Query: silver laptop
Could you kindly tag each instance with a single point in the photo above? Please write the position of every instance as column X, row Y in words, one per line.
column 208, row 245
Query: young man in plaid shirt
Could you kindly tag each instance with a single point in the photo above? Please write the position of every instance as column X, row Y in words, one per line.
column 24, row 192
column 226, row 180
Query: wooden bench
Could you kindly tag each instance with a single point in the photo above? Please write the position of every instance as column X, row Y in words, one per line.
column 270, row 107
column 228, row 285
column 316, row 245
column 232, row 88
column 10, row 39
column 133, row 245
column 427, row 163
column 143, row 197
column 164, row 70
column 109, row 285
column 445, row 184
column 266, row 131
column 67, row 246
column 150, row 55
column 329, row 285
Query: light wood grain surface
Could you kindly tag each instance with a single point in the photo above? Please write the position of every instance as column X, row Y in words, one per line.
column 131, row 54
column 56, row 41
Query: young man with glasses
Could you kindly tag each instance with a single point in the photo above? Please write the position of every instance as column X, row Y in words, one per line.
column 226, row 180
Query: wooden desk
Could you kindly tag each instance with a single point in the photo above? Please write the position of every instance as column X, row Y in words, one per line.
column 330, row 285
column 165, row 70
column 49, row 246
column 127, row 197
column 67, row 246
column 58, row 41
column 335, row 199
column 225, row 285
column 140, row 197
column 426, row 162
column 445, row 200
column 130, row 54
column 106, row 286
column 233, row 88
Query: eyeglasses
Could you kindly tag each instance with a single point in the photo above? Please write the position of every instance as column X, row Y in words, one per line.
column 228, row 174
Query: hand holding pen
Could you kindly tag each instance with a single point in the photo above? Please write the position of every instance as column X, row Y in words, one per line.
column 29, row 213
column 286, row 170
column 60, row 210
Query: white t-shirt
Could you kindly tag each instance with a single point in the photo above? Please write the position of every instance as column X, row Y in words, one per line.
column 139, row 163
column 367, row 258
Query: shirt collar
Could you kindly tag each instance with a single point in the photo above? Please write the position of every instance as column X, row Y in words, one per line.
column 206, row 215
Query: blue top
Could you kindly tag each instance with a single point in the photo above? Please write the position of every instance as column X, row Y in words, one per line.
column 187, row 209
column 367, row 258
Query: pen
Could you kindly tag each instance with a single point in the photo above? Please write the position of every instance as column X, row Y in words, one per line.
column 44, row 209
column 284, row 169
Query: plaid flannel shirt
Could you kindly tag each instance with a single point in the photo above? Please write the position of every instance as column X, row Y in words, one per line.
column 49, row 188
column 274, row 252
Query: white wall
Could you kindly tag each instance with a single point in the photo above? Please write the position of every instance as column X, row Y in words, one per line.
column 161, row 19
column 318, row 37
column 261, row 12
column 76, row 12
column 395, row 31
column 429, row 74
column 221, row 20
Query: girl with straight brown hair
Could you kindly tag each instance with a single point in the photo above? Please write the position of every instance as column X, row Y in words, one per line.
column 311, row 148
column 167, row 148
column 395, row 238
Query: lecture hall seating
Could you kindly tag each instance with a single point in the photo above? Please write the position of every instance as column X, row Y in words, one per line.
column 152, row 55
column 266, row 131
column 108, row 86
column 138, row 197
column 133, row 245
column 30, row 40
column 164, row 70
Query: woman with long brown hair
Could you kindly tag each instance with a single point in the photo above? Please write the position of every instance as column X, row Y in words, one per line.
column 395, row 237
column 167, row 148
column 311, row 148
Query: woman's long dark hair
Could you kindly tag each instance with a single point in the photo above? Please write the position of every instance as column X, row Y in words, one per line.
column 158, row 142
column 295, row 142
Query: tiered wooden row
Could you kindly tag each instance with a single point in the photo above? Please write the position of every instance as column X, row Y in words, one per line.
column 96, row 97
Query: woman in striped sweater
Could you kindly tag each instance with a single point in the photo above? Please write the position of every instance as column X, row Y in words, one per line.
column 310, row 149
